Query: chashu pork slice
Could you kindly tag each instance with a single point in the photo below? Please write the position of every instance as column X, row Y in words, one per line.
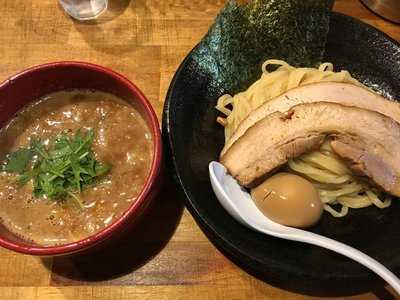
column 344, row 93
column 369, row 140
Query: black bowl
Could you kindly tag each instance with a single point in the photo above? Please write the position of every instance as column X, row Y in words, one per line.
column 193, row 139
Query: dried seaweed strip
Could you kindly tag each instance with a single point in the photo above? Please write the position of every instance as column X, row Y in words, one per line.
column 244, row 35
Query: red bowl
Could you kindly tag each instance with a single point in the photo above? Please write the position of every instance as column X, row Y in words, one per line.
column 35, row 82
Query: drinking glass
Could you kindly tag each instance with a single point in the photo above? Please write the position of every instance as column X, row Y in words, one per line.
column 84, row 9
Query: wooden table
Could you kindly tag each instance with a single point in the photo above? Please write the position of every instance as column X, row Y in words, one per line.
column 146, row 41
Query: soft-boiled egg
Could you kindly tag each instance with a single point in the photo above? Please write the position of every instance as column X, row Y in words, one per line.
column 288, row 199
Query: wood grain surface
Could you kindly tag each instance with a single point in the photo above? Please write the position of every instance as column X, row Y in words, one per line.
column 168, row 257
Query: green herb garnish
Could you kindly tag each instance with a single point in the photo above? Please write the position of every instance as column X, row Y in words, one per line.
column 18, row 161
column 60, row 170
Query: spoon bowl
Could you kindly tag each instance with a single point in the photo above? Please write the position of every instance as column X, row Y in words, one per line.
column 238, row 203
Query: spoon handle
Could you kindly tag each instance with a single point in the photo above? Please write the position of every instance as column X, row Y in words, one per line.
column 362, row 258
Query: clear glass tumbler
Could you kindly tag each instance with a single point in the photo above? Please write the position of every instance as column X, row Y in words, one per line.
column 84, row 9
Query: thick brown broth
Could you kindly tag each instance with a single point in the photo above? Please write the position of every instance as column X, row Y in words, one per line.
column 121, row 138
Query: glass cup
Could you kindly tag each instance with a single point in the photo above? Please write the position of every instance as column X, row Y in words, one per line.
column 84, row 9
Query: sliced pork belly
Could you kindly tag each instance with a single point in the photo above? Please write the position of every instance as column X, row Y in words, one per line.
column 370, row 140
column 343, row 93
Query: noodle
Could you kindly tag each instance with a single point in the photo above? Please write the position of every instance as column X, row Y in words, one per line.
column 319, row 175
column 334, row 181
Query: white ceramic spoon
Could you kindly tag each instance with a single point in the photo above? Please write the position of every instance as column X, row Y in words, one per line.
column 239, row 205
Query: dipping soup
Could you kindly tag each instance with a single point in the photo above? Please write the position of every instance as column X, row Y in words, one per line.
column 121, row 139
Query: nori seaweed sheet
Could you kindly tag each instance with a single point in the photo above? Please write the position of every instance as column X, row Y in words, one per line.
column 245, row 35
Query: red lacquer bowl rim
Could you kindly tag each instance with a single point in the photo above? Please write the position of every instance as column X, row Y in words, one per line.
column 136, row 208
